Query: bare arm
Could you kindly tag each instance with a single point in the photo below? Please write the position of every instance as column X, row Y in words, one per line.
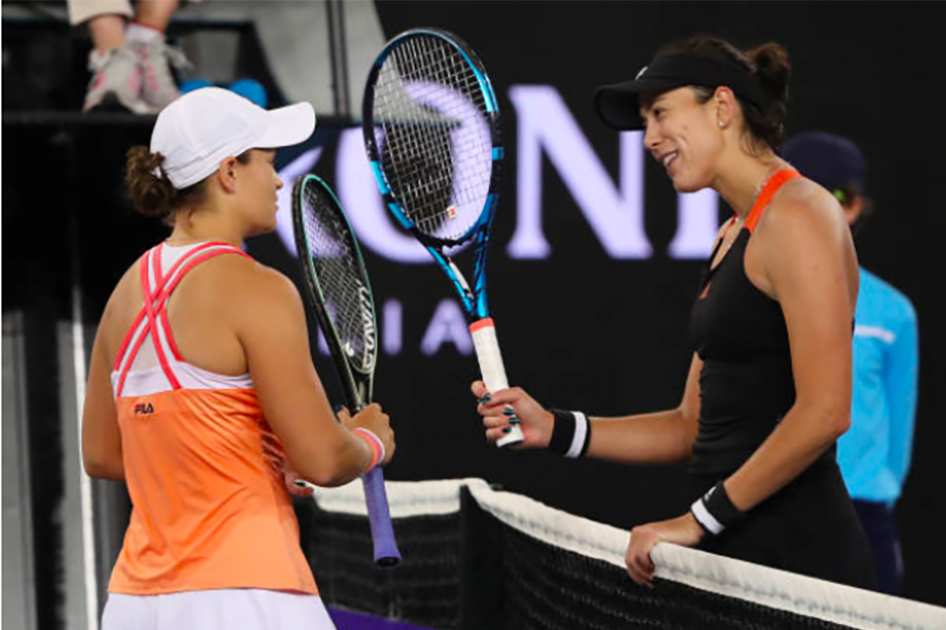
column 101, row 436
column 807, row 258
column 272, row 329
column 662, row 437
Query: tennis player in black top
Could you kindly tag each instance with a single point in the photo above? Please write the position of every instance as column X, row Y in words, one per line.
column 769, row 387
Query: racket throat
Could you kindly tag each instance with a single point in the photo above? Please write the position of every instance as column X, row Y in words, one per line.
column 459, row 279
column 364, row 395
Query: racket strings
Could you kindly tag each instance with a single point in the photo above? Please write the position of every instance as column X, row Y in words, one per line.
column 426, row 183
column 340, row 277
column 436, row 146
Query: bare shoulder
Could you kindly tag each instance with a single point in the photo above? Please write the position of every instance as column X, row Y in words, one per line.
column 256, row 289
column 801, row 234
column 258, row 281
column 267, row 314
column 802, row 209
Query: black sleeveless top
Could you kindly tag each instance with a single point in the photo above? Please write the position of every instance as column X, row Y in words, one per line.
column 746, row 385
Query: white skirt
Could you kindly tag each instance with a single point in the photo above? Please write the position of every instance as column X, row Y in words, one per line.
column 223, row 609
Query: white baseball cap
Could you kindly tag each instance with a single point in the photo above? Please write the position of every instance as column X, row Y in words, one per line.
column 204, row 127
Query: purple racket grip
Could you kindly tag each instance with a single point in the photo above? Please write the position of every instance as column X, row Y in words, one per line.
column 386, row 553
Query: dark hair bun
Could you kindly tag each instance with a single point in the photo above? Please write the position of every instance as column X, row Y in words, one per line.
column 151, row 194
column 773, row 69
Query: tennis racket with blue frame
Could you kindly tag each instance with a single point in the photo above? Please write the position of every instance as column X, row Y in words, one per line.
column 340, row 294
column 431, row 126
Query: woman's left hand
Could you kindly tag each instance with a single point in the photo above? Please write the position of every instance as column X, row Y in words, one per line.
column 683, row 530
column 295, row 484
column 295, row 489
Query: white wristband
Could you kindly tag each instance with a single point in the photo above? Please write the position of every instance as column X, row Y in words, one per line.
column 704, row 518
column 579, row 437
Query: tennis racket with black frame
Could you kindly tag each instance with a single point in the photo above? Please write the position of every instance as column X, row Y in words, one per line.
column 340, row 294
column 431, row 126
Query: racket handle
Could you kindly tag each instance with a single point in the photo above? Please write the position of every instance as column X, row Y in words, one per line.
column 386, row 553
column 492, row 369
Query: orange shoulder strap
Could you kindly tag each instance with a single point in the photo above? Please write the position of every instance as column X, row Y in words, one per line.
column 775, row 183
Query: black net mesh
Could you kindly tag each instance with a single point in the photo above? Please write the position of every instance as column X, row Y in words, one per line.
column 497, row 560
column 549, row 588
column 423, row 589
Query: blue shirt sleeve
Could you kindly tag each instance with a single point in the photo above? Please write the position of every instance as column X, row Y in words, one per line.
column 901, row 374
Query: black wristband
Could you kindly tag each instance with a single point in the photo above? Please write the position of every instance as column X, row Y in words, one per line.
column 714, row 511
column 571, row 433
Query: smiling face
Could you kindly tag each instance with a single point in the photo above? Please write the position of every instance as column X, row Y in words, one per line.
column 683, row 134
column 258, row 183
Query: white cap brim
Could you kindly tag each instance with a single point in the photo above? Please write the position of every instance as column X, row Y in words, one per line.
column 287, row 126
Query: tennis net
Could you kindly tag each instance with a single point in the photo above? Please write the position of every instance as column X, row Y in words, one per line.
column 475, row 557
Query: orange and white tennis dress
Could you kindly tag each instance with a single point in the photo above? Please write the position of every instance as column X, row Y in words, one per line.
column 213, row 541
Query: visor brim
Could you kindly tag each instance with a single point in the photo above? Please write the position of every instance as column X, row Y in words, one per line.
column 618, row 104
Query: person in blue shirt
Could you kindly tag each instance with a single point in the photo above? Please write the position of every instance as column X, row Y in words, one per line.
column 874, row 455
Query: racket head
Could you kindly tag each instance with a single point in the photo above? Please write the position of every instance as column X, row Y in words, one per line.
column 431, row 126
column 338, row 286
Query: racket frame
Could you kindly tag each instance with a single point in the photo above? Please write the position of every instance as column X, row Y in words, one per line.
column 357, row 383
column 473, row 298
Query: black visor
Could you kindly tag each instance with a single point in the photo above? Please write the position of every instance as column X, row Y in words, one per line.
column 618, row 104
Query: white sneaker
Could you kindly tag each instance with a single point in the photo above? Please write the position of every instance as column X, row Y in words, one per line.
column 159, row 89
column 116, row 82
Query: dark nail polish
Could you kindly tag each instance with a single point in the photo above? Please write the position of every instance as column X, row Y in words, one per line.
column 509, row 412
column 484, row 399
column 507, row 430
column 515, row 421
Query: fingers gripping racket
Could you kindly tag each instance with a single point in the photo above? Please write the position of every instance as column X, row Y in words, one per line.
column 432, row 131
column 340, row 294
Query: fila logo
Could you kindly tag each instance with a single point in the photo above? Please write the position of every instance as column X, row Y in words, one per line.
column 144, row 409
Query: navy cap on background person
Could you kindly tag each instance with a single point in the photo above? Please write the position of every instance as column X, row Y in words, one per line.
column 832, row 161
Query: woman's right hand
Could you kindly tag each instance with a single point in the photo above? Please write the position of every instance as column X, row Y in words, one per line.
column 535, row 421
column 375, row 420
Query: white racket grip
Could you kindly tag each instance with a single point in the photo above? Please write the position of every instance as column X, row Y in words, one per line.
column 491, row 367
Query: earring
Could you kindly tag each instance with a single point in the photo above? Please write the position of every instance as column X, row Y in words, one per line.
column 720, row 123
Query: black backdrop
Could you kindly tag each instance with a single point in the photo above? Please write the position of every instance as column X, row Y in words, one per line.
column 578, row 329
column 582, row 330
